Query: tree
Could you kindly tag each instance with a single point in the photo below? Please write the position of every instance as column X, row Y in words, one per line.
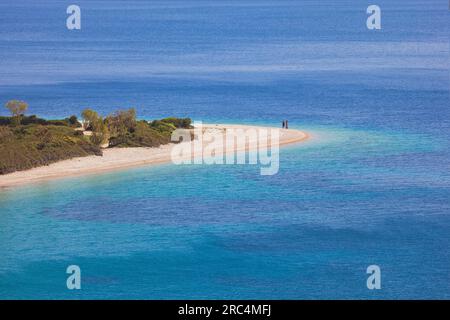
column 89, row 117
column 100, row 132
column 128, row 118
column 17, row 109
column 122, row 122
column 94, row 122
column 73, row 121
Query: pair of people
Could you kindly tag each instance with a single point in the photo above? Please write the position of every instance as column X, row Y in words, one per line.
column 285, row 124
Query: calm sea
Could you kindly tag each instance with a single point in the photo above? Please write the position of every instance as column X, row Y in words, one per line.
column 372, row 186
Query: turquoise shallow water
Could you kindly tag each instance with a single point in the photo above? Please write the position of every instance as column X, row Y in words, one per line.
column 337, row 205
column 372, row 186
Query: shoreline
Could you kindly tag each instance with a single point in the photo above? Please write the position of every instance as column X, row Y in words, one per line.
column 116, row 159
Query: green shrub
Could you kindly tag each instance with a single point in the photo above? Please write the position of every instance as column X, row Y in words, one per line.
column 30, row 146
column 183, row 123
column 27, row 120
column 73, row 122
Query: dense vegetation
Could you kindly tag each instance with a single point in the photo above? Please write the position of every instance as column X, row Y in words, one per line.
column 29, row 141
column 121, row 129
column 27, row 146
column 25, row 120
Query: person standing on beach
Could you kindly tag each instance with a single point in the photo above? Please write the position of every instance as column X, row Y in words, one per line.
column 284, row 124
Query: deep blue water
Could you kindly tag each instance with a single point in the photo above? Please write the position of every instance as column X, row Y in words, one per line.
column 372, row 186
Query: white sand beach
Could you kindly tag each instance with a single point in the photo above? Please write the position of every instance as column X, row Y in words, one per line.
column 121, row 158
